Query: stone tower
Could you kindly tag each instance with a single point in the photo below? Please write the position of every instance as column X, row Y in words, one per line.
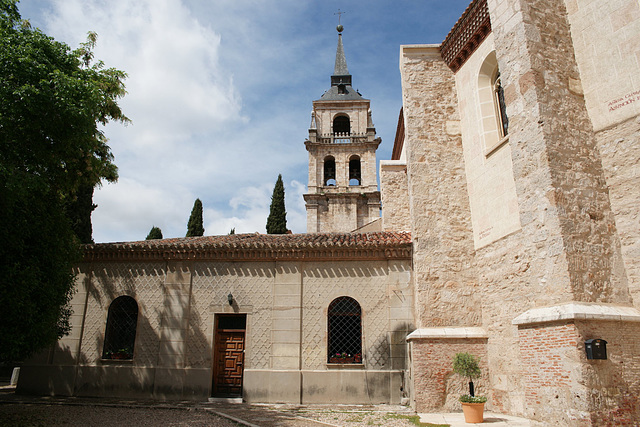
column 343, row 187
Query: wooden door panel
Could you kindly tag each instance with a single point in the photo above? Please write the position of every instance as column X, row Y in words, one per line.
column 229, row 363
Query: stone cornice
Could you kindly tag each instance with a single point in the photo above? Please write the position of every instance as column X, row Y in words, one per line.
column 451, row 332
column 578, row 311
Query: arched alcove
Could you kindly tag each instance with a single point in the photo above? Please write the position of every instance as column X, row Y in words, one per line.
column 329, row 177
column 355, row 171
column 342, row 125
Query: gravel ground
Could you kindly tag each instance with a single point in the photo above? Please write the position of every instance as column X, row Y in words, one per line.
column 62, row 415
column 43, row 411
column 38, row 414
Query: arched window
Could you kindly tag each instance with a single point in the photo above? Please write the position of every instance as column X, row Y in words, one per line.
column 345, row 331
column 355, row 177
column 329, row 171
column 493, row 109
column 120, row 334
column 341, row 126
column 501, row 106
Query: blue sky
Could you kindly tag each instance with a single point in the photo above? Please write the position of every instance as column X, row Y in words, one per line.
column 220, row 93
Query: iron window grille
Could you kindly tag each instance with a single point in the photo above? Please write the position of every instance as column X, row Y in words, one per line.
column 345, row 331
column 120, row 333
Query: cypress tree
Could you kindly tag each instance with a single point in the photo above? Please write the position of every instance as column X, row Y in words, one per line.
column 155, row 233
column 194, row 226
column 277, row 221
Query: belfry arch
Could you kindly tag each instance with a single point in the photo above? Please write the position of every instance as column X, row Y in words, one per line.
column 342, row 125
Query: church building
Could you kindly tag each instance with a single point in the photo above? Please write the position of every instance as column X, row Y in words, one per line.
column 506, row 226
column 304, row 318
column 515, row 167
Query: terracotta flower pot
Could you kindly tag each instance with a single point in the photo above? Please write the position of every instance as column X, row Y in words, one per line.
column 473, row 412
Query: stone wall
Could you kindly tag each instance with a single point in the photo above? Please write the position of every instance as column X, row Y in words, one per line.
column 488, row 165
column 286, row 305
column 443, row 252
column 330, row 213
column 606, row 41
column 394, row 195
column 620, row 149
column 567, row 248
column 559, row 178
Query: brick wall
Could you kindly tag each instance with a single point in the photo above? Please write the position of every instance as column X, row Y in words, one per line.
column 614, row 383
column 551, row 368
column 564, row 388
column 436, row 387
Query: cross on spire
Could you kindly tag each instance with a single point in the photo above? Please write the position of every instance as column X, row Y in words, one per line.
column 339, row 13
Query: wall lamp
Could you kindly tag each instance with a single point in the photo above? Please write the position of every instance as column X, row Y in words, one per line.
column 230, row 298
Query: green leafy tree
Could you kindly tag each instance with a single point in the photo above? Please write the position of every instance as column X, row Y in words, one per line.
column 194, row 226
column 232, row 231
column 78, row 208
column 154, row 234
column 52, row 155
column 467, row 365
column 277, row 220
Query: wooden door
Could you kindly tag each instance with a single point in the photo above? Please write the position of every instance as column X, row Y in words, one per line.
column 229, row 355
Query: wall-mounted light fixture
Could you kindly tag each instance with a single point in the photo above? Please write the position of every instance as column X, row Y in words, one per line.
column 230, row 298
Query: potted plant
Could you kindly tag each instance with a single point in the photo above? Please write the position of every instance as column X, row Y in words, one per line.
column 467, row 365
column 122, row 354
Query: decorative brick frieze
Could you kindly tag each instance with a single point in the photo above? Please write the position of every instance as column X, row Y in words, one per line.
column 469, row 32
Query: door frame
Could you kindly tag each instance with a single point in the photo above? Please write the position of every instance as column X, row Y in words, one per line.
column 216, row 330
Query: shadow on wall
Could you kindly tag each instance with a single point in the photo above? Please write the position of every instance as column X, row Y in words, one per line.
column 166, row 328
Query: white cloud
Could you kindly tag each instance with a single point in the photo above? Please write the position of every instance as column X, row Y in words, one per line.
column 175, row 85
column 220, row 94
column 131, row 207
column 250, row 209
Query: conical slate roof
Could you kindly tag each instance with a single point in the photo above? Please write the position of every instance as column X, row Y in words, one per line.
column 341, row 89
column 341, row 61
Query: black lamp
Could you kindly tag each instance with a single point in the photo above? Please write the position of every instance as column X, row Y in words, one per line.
column 230, row 298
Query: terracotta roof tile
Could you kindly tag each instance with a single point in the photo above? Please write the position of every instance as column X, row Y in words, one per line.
column 373, row 245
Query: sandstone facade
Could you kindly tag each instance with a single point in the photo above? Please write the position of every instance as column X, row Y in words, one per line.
column 282, row 285
column 515, row 170
column 533, row 216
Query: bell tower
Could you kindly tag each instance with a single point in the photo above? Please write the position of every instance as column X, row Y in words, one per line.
column 343, row 186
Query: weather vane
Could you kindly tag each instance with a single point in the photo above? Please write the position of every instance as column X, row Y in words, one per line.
column 339, row 27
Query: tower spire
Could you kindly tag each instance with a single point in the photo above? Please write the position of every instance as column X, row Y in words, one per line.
column 341, row 61
column 341, row 76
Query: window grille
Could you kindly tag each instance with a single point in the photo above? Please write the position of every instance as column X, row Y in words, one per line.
column 501, row 106
column 120, row 333
column 345, row 331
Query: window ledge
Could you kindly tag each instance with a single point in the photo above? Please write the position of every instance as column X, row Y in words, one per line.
column 116, row 361
column 490, row 150
column 345, row 365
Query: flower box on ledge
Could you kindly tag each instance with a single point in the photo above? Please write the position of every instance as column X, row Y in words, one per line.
column 346, row 360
